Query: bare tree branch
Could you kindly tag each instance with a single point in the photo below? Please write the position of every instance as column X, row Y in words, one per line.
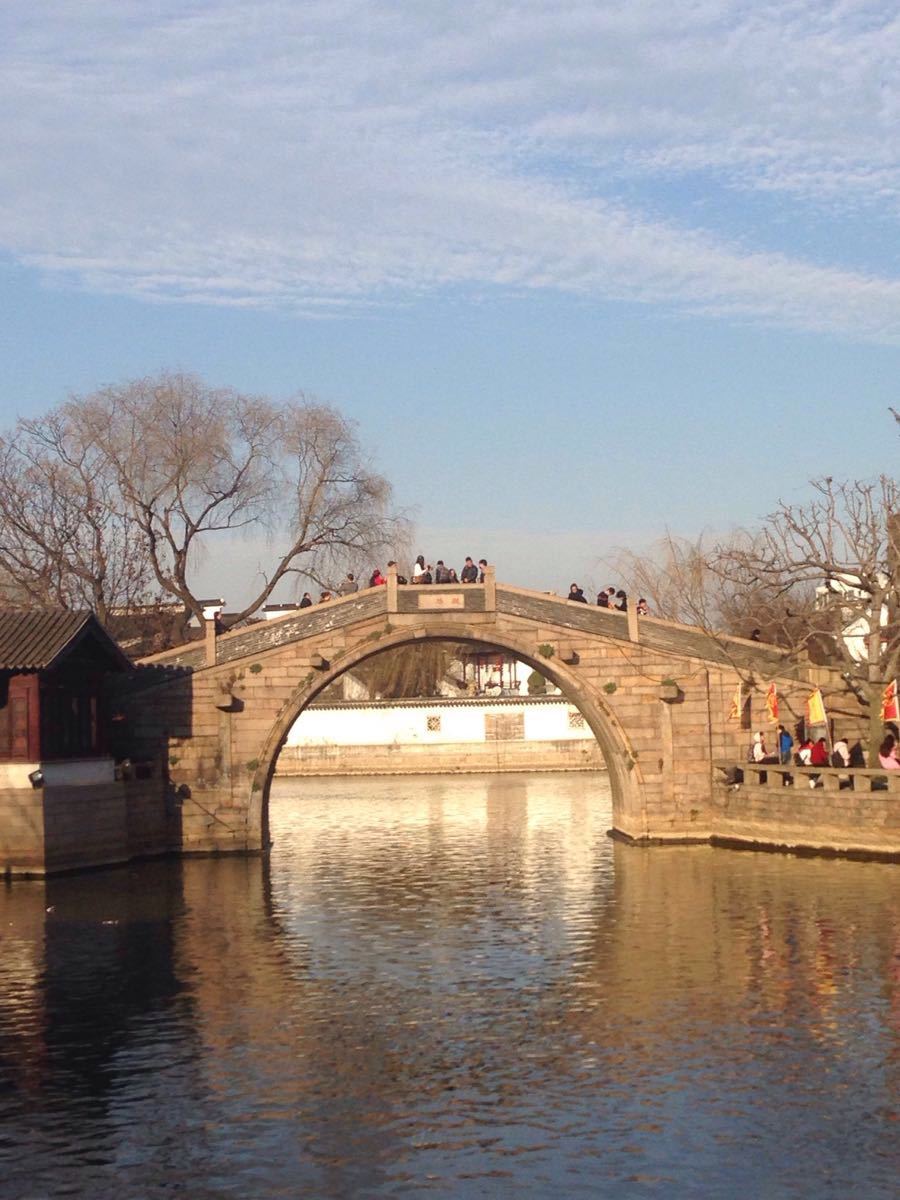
column 123, row 491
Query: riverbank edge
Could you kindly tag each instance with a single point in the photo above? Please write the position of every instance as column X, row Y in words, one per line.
column 451, row 758
column 731, row 842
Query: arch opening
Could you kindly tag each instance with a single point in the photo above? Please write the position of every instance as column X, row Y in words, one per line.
column 618, row 754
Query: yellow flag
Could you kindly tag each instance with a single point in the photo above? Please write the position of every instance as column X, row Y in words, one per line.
column 737, row 703
column 772, row 702
column 815, row 709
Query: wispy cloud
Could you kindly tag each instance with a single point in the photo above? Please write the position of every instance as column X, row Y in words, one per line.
column 322, row 155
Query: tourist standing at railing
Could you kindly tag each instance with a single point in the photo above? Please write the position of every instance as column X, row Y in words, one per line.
column 349, row 586
column 418, row 569
column 482, row 567
column 575, row 593
column 785, row 744
column 441, row 573
column 469, row 572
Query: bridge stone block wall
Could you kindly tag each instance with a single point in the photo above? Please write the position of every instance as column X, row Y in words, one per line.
column 655, row 694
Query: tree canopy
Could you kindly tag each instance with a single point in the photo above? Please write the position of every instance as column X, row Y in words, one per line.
column 112, row 499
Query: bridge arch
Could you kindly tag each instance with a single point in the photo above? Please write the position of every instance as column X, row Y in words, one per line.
column 626, row 781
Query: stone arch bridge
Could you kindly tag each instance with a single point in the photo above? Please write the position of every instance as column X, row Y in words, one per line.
column 656, row 695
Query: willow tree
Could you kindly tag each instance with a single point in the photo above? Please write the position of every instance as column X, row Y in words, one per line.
column 66, row 537
column 171, row 468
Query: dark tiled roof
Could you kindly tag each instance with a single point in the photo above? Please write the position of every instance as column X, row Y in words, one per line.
column 33, row 639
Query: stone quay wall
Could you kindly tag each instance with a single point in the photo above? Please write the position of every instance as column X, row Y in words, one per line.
column 45, row 831
column 441, row 759
column 853, row 813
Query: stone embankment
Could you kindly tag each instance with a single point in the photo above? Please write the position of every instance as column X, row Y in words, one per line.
column 441, row 759
column 49, row 830
column 807, row 810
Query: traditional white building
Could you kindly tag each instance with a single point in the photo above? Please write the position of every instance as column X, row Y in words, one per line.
column 856, row 609
column 442, row 735
column 439, row 722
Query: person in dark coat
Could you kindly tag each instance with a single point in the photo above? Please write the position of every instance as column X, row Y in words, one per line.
column 575, row 593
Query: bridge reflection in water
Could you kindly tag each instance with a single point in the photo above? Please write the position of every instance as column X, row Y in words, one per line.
column 459, row 987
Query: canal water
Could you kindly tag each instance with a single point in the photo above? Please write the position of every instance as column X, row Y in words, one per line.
column 456, row 988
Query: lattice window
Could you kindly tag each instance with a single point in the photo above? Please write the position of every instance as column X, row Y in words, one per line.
column 504, row 727
column 433, row 723
column 576, row 720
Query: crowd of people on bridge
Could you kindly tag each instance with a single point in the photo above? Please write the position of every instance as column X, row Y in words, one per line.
column 422, row 572
column 609, row 597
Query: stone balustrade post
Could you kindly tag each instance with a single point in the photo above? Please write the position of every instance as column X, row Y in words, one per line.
column 634, row 634
column 393, row 600
column 210, row 641
column 490, row 589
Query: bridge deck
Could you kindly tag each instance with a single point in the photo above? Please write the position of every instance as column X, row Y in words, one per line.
column 449, row 604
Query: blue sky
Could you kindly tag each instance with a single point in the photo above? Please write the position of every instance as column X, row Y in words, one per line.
column 581, row 271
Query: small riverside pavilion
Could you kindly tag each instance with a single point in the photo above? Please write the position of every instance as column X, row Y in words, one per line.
column 61, row 805
column 52, row 666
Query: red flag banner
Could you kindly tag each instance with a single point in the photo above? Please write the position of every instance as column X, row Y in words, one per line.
column 772, row 702
column 889, row 709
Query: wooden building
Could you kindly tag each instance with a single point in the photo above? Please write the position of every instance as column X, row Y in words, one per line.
column 63, row 805
column 53, row 663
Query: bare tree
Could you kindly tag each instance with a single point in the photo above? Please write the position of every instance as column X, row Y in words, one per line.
column 819, row 580
column 678, row 580
column 843, row 548
column 65, row 536
column 126, row 489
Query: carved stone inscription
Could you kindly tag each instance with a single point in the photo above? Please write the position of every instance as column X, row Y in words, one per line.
column 435, row 600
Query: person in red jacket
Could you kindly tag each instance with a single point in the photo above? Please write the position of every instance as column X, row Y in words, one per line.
column 819, row 756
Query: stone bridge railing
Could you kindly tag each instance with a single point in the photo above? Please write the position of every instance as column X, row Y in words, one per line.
column 831, row 779
column 476, row 603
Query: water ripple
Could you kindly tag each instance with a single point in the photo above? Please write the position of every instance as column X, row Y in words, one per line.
column 452, row 987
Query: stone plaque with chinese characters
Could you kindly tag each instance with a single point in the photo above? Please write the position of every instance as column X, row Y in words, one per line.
column 435, row 600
